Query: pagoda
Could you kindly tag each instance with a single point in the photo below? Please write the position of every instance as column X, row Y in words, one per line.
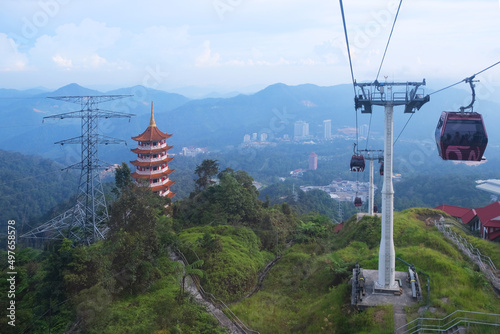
column 152, row 159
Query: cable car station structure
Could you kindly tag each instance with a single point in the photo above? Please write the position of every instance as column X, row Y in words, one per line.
column 388, row 95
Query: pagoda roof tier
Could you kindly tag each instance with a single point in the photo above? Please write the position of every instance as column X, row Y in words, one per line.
column 171, row 194
column 163, row 186
column 136, row 175
column 138, row 163
column 152, row 133
column 151, row 150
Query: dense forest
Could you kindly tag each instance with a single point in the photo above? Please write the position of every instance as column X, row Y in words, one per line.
column 32, row 189
column 129, row 282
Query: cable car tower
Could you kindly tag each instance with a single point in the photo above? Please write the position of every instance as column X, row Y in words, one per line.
column 388, row 95
column 372, row 155
column 85, row 222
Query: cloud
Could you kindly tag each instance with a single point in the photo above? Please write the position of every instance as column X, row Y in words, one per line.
column 82, row 46
column 207, row 59
column 10, row 58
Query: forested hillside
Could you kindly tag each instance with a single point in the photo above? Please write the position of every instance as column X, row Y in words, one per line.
column 30, row 187
column 129, row 283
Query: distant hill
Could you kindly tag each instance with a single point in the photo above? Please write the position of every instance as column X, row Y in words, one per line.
column 216, row 122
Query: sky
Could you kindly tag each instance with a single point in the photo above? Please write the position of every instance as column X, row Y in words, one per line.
column 238, row 45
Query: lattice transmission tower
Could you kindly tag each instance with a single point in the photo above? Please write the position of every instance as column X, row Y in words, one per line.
column 86, row 221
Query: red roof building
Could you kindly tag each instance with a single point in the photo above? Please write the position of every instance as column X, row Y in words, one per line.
column 152, row 159
column 486, row 220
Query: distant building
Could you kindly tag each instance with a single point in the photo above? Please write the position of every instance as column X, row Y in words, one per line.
column 297, row 173
column 263, row 136
column 254, row 136
column 327, row 129
column 300, row 130
column 246, row 138
column 152, row 159
column 486, row 220
column 193, row 151
column 313, row 161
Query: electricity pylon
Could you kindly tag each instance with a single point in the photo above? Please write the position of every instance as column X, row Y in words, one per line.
column 86, row 221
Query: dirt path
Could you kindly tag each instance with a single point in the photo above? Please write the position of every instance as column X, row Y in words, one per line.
column 261, row 277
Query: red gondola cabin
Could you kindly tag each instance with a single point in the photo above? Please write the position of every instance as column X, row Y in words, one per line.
column 358, row 201
column 461, row 136
column 382, row 169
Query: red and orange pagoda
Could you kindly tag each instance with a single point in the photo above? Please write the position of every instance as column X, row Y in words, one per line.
column 152, row 159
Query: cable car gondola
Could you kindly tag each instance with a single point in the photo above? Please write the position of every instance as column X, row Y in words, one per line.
column 461, row 136
column 357, row 163
column 382, row 169
column 358, row 201
column 375, row 208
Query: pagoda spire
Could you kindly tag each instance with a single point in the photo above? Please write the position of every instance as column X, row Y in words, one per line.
column 152, row 120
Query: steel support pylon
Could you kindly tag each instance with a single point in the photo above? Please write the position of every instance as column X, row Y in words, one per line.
column 86, row 221
column 372, row 155
column 371, row 190
column 384, row 94
column 386, row 256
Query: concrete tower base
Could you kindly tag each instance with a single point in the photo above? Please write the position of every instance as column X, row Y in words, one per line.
column 374, row 296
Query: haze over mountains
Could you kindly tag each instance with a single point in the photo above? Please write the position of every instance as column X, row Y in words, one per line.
column 211, row 122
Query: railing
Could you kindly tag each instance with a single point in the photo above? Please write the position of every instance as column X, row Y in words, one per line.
column 450, row 322
column 215, row 301
column 484, row 262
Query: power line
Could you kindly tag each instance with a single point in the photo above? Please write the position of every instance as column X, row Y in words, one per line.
column 390, row 35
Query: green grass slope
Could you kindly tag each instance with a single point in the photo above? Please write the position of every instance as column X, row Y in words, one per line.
column 232, row 258
column 308, row 290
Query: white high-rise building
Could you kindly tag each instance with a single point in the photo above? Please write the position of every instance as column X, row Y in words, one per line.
column 246, row 138
column 300, row 130
column 327, row 127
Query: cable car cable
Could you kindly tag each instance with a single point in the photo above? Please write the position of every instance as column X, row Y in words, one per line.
column 404, row 127
column 347, row 43
column 464, row 80
column 350, row 61
column 390, row 35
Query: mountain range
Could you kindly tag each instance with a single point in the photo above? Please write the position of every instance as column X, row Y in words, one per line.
column 210, row 122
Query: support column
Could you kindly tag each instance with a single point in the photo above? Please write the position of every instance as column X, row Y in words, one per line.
column 386, row 258
column 371, row 190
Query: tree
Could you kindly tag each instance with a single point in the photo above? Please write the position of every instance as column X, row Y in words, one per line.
column 123, row 179
column 205, row 171
column 190, row 269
